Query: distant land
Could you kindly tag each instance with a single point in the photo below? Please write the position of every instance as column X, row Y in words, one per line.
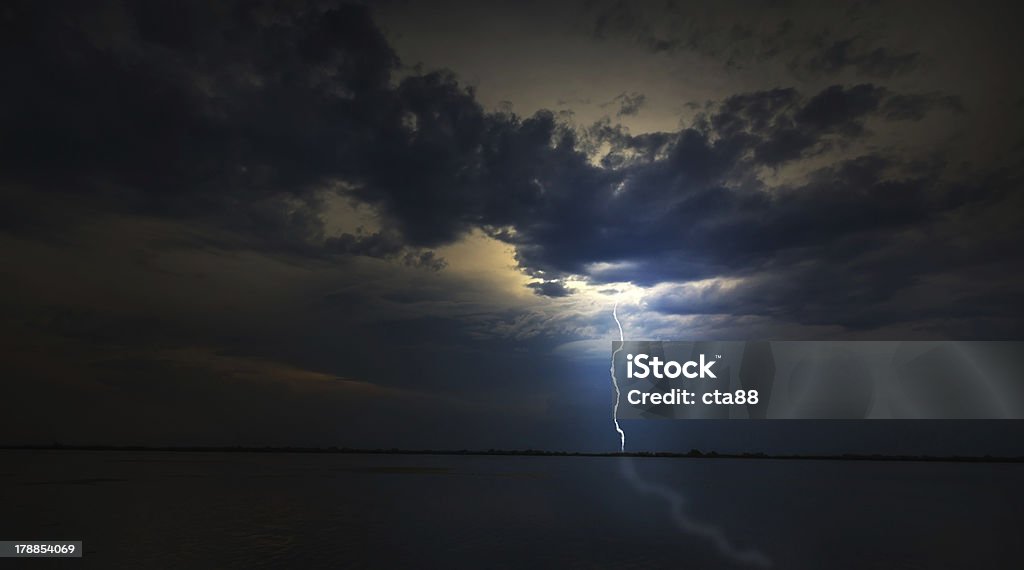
column 692, row 454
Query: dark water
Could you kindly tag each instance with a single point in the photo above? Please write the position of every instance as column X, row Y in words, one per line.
column 240, row 510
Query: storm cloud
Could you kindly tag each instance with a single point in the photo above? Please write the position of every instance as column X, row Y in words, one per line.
column 242, row 117
column 240, row 133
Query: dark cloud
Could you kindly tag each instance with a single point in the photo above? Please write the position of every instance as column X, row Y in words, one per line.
column 384, row 245
column 854, row 53
column 629, row 104
column 743, row 35
column 689, row 206
column 622, row 18
column 237, row 116
column 550, row 289
column 838, row 108
column 914, row 107
column 242, row 116
column 780, row 125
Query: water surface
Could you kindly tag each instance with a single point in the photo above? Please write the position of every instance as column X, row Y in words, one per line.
column 244, row 510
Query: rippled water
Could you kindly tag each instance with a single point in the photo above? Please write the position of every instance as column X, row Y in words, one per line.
column 243, row 510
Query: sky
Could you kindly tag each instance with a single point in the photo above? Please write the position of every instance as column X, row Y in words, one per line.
column 405, row 224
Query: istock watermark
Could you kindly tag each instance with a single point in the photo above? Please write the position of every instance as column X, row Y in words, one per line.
column 819, row 379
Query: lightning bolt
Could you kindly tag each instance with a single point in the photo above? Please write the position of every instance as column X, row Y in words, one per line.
column 684, row 522
column 615, row 382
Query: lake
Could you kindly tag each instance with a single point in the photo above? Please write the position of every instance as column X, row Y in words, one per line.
column 244, row 510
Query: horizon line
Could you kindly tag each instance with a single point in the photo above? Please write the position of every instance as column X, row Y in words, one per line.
column 692, row 454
